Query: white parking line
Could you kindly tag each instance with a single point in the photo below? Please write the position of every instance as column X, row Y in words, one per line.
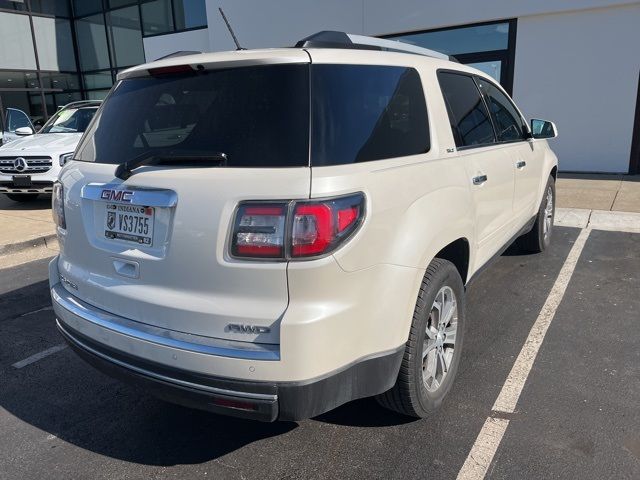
column 488, row 440
column 36, row 311
column 39, row 356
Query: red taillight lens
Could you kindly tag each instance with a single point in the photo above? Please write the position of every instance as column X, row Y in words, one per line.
column 297, row 229
column 171, row 69
column 259, row 231
column 312, row 229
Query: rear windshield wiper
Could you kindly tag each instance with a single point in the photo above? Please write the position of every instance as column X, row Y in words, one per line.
column 215, row 159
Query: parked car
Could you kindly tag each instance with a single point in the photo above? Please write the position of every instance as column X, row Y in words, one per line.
column 273, row 233
column 30, row 165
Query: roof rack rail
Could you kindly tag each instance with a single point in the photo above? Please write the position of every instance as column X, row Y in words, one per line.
column 179, row 53
column 80, row 103
column 334, row 39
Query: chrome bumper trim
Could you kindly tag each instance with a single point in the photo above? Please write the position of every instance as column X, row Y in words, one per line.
column 62, row 299
column 219, row 391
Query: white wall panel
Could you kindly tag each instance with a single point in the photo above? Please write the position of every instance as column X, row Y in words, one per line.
column 280, row 23
column 384, row 16
column 581, row 70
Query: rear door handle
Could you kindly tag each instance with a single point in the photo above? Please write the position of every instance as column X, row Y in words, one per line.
column 479, row 180
column 521, row 164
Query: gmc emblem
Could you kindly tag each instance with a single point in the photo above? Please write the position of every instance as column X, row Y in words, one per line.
column 116, row 195
column 254, row 329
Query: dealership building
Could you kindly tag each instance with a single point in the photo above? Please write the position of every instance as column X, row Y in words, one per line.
column 575, row 62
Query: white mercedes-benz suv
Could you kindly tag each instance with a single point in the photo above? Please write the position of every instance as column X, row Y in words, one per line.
column 273, row 233
column 30, row 165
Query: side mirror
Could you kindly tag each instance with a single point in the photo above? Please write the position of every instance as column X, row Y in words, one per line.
column 543, row 129
column 24, row 131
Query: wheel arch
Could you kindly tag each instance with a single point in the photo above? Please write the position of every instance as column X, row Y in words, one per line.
column 458, row 253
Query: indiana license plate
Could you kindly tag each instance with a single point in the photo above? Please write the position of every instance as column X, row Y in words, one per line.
column 130, row 223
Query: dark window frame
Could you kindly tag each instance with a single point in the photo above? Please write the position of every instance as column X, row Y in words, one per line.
column 634, row 157
column 507, row 56
column 526, row 130
column 484, row 102
column 425, row 98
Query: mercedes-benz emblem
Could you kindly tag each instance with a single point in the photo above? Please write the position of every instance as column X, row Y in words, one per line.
column 20, row 164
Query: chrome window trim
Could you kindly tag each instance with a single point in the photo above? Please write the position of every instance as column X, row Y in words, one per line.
column 62, row 299
column 148, row 197
column 164, row 378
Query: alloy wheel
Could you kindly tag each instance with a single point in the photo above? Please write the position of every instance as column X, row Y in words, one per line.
column 548, row 214
column 440, row 339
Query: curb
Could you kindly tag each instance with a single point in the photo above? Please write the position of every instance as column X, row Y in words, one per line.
column 42, row 241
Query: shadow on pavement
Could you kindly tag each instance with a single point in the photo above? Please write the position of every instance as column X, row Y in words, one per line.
column 43, row 202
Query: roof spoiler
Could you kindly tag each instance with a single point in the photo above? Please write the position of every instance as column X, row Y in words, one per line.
column 334, row 39
column 179, row 53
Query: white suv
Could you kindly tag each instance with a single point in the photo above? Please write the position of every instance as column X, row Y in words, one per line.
column 30, row 165
column 273, row 233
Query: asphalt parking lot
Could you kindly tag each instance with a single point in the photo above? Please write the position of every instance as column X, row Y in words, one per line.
column 577, row 415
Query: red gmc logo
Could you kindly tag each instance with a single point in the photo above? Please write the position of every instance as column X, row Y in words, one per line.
column 116, row 195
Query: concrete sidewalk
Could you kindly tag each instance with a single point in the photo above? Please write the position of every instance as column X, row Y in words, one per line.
column 617, row 193
column 24, row 222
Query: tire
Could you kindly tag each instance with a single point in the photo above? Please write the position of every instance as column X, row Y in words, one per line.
column 22, row 197
column 416, row 392
column 539, row 238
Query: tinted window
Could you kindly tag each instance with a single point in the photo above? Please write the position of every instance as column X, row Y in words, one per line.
column 70, row 120
column 17, row 119
column 468, row 114
column 364, row 112
column 258, row 116
column 508, row 122
column 190, row 13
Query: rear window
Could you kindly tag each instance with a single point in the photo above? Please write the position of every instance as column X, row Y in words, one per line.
column 260, row 116
column 367, row 112
column 257, row 116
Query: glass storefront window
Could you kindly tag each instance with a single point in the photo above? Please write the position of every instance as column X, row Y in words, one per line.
column 64, row 81
column 120, row 3
column 86, row 7
column 97, row 94
column 23, row 101
column 54, row 43
column 59, row 8
column 92, row 43
column 62, row 99
column 9, row 5
column 16, row 43
column 157, row 17
column 19, row 80
column 125, row 36
column 493, row 69
column 98, row 80
column 190, row 14
column 479, row 38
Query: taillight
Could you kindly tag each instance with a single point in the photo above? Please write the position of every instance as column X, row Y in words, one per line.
column 57, row 205
column 259, row 230
column 295, row 229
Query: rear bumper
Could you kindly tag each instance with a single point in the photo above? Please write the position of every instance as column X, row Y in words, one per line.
column 264, row 401
column 92, row 333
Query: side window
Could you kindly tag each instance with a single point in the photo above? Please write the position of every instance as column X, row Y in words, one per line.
column 508, row 122
column 366, row 112
column 468, row 114
column 16, row 119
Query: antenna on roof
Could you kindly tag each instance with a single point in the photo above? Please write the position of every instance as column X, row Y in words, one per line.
column 233, row 35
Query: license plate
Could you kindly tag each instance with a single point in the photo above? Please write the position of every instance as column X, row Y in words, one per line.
column 130, row 223
column 22, row 181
